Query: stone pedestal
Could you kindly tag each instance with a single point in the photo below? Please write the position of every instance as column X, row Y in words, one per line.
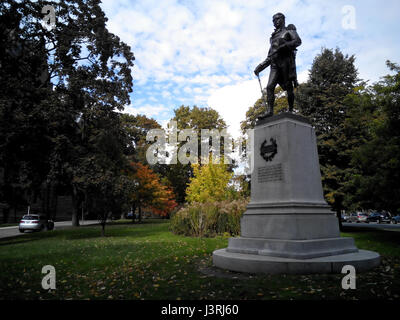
column 288, row 227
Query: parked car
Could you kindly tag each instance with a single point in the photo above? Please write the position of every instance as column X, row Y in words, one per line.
column 35, row 222
column 131, row 215
column 344, row 218
column 396, row 219
column 358, row 217
column 379, row 217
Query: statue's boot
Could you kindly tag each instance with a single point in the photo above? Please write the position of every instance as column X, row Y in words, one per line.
column 268, row 113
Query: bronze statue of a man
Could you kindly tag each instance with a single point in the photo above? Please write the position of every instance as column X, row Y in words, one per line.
column 281, row 58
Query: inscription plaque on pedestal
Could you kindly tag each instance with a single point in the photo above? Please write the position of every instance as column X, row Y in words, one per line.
column 270, row 173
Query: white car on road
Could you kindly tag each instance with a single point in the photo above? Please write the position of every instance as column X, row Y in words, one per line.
column 35, row 222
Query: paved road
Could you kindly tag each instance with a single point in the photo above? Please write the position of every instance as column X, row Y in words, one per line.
column 374, row 225
column 13, row 231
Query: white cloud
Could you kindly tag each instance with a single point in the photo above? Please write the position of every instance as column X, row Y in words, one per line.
column 303, row 76
column 198, row 90
column 187, row 90
column 166, row 94
column 233, row 101
column 148, row 110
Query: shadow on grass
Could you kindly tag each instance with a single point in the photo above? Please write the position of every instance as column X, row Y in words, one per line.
column 33, row 236
column 118, row 230
column 376, row 232
column 357, row 229
column 16, row 240
column 129, row 222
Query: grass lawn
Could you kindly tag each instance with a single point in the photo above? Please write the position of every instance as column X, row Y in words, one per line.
column 147, row 261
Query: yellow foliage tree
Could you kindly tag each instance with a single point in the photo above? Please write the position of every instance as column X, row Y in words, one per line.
column 210, row 183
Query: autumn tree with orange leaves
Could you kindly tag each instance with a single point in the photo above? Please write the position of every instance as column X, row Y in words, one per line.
column 150, row 192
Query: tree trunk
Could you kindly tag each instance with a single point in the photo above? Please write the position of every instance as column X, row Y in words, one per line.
column 75, row 212
column 75, row 216
column 103, row 217
column 53, row 201
column 45, row 197
column 140, row 213
column 133, row 212
column 339, row 216
column 103, row 229
column 6, row 212
column 55, row 205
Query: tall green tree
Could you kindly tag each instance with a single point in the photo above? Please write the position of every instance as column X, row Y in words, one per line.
column 86, row 73
column 376, row 117
column 25, row 101
column 333, row 76
column 136, row 129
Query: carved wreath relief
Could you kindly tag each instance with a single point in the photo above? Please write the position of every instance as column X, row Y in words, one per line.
column 268, row 151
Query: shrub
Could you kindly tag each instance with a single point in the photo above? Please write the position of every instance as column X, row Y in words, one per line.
column 209, row 219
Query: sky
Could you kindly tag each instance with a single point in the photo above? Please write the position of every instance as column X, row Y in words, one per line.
column 203, row 52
